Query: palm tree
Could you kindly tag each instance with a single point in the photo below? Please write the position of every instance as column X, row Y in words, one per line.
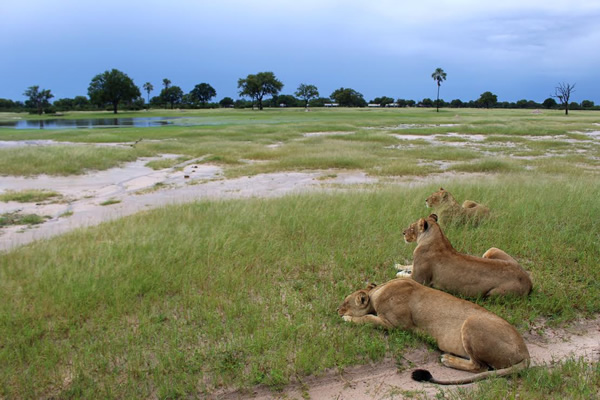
column 438, row 75
column 148, row 88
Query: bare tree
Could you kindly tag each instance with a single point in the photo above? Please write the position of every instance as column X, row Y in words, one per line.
column 563, row 92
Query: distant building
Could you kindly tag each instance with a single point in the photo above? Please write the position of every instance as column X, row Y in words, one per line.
column 331, row 104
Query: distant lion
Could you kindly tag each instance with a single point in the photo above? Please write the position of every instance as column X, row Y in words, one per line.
column 436, row 263
column 449, row 209
column 472, row 338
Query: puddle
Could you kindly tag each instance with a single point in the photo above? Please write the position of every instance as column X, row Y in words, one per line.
column 332, row 133
column 8, row 144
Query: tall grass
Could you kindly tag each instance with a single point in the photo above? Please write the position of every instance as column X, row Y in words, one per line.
column 185, row 299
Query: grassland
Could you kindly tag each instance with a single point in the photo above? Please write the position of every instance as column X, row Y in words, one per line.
column 186, row 299
column 278, row 140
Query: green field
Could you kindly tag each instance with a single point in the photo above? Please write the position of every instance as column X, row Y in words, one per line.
column 185, row 300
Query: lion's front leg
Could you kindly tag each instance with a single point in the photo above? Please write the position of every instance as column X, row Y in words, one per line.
column 369, row 319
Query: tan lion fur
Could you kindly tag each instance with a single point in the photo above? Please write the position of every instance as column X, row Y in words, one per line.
column 436, row 263
column 472, row 338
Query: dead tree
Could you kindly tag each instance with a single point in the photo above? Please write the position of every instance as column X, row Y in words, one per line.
column 563, row 92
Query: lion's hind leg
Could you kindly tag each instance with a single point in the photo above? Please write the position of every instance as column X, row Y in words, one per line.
column 495, row 253
column 463, row 364
column 469, row 204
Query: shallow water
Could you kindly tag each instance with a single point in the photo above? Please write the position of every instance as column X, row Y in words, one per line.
column 139, row 122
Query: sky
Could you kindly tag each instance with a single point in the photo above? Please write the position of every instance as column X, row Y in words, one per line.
column 517, row 49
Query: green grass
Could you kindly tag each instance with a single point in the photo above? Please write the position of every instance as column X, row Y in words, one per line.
column 62, row 160
column 166, row 163
column 185, row 299
column 16, row 218
column 228, row 137
column 29, row 196
column 110, row 202
column 568, row 379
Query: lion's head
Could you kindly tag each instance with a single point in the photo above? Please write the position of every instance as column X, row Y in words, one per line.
column 416, row 228
column 357, row 304
column 438, row 198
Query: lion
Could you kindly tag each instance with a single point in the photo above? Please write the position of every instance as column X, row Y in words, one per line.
column 436, row 263
column 449, row 209
column 472, row 338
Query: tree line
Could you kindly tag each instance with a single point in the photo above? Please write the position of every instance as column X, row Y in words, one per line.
column 114, row 90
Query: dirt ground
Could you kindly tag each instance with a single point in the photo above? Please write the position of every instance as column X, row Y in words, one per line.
column 133, row 188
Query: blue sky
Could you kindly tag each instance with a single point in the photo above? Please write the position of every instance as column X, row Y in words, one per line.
column 515, row 49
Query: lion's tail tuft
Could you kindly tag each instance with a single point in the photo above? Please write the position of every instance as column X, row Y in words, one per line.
column 422, row 375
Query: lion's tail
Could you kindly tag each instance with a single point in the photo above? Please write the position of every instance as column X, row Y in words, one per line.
column 422, row 375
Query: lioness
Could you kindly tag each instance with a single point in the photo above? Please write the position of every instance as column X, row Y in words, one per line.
column 436, row 263
column 472, row 338
column 449, row 209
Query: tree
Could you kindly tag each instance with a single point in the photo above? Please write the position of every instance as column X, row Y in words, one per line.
column 347, row 97
column 172, row 95
column 427, row 102
column 488, row 99
column 148, row 88
column 439, row 76
column 319, row 102
column 563, row 92
column 112, row 87
column 259, row 85
column 587, row 104
column 549, row 103
column 383, row 100
column 456, row 103
column 38, row 99
column 285, row 100
column 226, row 102
column 307, row 92
column 202, row 93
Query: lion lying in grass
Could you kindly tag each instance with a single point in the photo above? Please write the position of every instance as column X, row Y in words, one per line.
column 472, row 338
column 449, row 210
column 436, row 263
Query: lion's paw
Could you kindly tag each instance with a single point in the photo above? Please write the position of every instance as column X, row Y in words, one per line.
column 347, row 318
column 444, row 359
column 404, row 273
column 400, row 267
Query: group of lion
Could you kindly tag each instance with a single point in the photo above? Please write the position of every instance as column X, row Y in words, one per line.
column 472, row 338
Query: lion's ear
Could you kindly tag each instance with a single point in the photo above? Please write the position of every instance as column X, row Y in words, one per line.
column 371, row 286
column 423, row 225
column 444, row 194
column 441, row 189
column 362, row 299
column 434, row 217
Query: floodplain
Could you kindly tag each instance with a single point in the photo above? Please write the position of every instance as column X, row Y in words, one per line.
column 212, row 295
